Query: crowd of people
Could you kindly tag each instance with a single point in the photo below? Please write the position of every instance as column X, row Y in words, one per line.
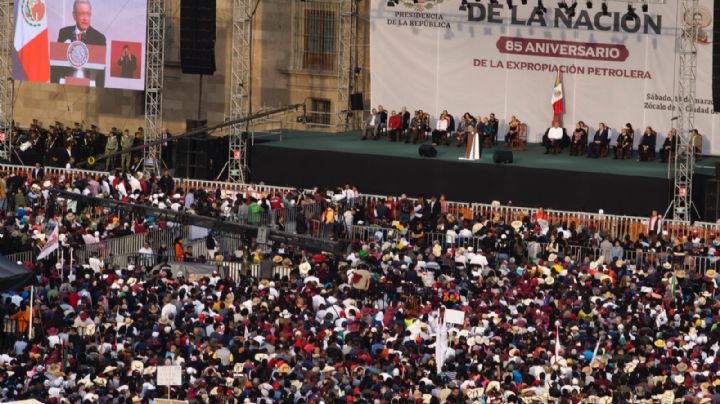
column 581, row 141
column 368, row 325
column 64, row 146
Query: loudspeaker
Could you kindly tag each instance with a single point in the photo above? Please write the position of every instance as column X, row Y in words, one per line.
column 427, row 150
column 503, row 156
column 712, row 200
column 716, row 60
column 356, row 102
column 197, row 36
column 192, row 159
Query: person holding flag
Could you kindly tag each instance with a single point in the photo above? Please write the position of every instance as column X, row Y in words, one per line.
column 52, row 244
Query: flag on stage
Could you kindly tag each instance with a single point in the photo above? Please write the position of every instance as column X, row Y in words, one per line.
column 557, row 97
column 51, row 245
column 31, row 40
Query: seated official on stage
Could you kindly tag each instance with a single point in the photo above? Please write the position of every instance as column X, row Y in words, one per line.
column 512, row 133
column 465, row 127
column 667, row 151
column 553, row 138
column 394, row 126
column 578, row 140
column 440, row 134
column 419, row 126
column 494, row 125
column 600, row 141
column 371, row 125
column 404, row 123
column 451, row 123
column 646, row 148
column 624, row 143
column 485, row 130
column 382, row 124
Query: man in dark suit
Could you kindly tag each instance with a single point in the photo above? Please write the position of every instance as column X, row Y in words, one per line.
column 38, row 173
column 600, row 141
column 82, row 31
column 128, row 63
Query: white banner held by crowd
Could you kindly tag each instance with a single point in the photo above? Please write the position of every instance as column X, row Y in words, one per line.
column 435, row 55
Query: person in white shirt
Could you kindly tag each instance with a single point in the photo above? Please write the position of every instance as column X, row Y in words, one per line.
column 553, row 138
column 371, row 125
column 440, row 134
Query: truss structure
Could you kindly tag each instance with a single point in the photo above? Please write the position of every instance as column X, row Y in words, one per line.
column 154, row 84
column 347, row 41
column 6, row 82
column 685, row 110
column 239, row 86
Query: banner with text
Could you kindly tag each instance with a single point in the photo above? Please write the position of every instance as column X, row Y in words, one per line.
column 480, row 58
column 88, row 43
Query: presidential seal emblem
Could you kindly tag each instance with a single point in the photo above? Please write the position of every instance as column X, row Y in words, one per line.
column 421, row 5
column 33, row 12
column 78, row 54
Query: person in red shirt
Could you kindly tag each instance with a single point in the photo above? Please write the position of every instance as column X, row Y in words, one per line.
column 394, row 126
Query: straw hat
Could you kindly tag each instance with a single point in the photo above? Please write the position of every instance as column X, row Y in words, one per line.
column 55, row 370
column 516, row 225
column 667, row 265
column 682, row 367
column 137, row 366
column 100, row 381
column 552, row 257
column 549, row 280
column 150, row 370
column 277, row 259
column 660, row 343
column 680, row 274
column 710, row 273
column 305, row 268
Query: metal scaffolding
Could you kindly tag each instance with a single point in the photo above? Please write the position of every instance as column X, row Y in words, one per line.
column 347, row 41
column 154, row 83
column 6, row 82
column 685, row 110
column 239, row 86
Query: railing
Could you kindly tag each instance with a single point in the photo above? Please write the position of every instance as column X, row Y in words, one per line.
column 578, row 253
column 614, row 226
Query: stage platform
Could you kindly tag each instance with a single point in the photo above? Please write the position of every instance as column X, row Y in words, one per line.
column 307, row 159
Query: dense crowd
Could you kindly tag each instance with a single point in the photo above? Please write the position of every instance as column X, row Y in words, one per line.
column 363, row 326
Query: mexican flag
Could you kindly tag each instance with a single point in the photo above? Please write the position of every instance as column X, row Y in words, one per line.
column 557, row 98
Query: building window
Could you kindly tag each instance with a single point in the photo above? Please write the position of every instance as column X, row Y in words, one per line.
column 315, row 35
column 319, row 113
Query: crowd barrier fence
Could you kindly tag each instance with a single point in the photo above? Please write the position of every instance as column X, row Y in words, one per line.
column 614, row 226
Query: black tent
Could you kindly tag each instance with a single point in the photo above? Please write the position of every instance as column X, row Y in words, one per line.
column 13, row 276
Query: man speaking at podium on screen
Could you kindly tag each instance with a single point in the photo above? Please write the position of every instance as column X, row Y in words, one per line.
column 77, row 35
column 82, row 31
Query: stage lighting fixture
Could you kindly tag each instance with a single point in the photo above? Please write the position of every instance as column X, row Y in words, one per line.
column 630, row 13
column 645, row 7
column 605, row 8
column 589, row 4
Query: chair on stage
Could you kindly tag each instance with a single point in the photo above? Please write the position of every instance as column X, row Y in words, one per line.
column 519, row 142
